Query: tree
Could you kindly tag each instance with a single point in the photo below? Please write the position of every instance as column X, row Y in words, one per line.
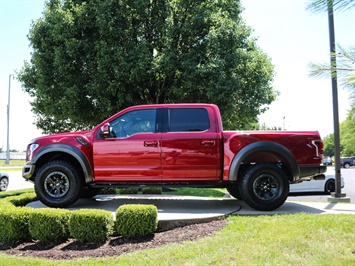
column 344, row 67
column 347, row 134
column 322, row 5
column 328, row 142
column 93, row 58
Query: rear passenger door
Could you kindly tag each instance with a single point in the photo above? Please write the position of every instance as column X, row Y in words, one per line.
column 190, row 147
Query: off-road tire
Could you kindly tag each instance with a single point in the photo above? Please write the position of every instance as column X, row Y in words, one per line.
column 58, row 184
column 234, row 192
column 264, row 187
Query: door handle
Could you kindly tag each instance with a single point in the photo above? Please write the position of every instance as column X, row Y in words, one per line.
column 150, row 143
column 208, row 143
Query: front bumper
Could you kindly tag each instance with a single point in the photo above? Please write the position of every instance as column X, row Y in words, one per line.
column 28, row 171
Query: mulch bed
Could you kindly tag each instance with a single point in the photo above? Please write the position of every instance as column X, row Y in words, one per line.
column 113, row 247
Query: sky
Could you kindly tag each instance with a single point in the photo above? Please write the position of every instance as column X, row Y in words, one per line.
column 291, row 36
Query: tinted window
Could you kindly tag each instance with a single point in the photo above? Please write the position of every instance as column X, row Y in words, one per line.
column 188, row 119
column 140, row 121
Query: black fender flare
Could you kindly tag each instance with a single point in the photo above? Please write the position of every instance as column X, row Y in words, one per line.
column 266, row 146
column 71, row 150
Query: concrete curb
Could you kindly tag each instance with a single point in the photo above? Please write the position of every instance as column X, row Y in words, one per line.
column 178, row 211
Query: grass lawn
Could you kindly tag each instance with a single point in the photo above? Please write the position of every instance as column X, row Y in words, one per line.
column 297, row 239
column 14, row 166
column 294, row 239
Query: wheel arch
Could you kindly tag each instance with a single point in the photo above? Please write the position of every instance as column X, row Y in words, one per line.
column 264, row 152
column 66, row 153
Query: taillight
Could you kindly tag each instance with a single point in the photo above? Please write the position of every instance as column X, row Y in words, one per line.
column 318, row 144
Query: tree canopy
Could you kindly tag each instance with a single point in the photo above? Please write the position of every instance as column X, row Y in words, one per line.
column 347, row 134
column 93, row 58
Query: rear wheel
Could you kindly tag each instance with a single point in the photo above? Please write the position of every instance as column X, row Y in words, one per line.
column 58, row 184
column 347, row 165
column 264, row 187
column 329, row 186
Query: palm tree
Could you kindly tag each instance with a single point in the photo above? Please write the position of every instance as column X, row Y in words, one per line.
column 345, row 58
column 322, row 5
column 345, row 67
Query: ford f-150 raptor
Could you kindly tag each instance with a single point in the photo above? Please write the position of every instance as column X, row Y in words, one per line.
column 171, row 145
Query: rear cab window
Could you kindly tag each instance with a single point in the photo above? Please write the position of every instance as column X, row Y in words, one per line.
column 186, row 120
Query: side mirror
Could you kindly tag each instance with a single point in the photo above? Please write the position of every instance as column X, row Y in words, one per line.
column 105, row 131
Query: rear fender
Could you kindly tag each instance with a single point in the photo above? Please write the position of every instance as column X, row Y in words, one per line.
column 266, row 147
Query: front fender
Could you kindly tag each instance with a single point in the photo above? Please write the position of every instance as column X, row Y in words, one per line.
column 70, row 150
column 264, row 146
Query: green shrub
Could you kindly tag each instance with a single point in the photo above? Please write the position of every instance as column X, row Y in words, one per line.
column 89, row 225
column 152, row 190
column 109, row 190
column 4, row 204
column 22, row 200
column 135, row 220
column 49, row 225
column 14, row 225
column 129, row 190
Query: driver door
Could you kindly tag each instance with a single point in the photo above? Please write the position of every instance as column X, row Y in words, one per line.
column 132, row 152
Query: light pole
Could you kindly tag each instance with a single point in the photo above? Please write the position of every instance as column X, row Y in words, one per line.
column 8, row 123
column 336, row 196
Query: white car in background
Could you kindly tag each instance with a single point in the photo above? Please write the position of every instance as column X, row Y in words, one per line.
column 326, row 186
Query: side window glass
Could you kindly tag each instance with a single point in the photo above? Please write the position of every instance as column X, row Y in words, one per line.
column 140, row 121
column 188, row 119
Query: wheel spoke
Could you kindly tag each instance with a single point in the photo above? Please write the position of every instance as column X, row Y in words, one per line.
column 266, row 187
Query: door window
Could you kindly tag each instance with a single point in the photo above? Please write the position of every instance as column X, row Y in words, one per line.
column 140, row 121
column 188, row 119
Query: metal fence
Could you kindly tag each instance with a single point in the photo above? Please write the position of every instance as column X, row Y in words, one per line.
column 13, row 156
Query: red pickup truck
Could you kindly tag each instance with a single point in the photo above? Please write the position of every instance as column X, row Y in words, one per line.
column 171, row 145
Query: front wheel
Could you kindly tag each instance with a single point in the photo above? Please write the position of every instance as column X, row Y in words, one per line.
column 4, row 182
column 264, row 187
column 58, row 184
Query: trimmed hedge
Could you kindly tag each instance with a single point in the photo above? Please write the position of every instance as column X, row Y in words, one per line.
column 136, row 220
column 49, row 225
column 152, row 190
column 85, row 225
column 129, row 190
column 14, row 225
column 89, row 225
column 22, row 200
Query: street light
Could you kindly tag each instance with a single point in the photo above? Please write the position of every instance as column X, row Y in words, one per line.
column 336, row 196
column 8, row 123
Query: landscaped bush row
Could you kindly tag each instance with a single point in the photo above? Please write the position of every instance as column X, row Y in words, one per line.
column 85, row 225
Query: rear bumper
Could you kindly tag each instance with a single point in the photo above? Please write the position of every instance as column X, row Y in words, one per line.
column 308, row 172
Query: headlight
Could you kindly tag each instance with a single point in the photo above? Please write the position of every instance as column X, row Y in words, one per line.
column 30, row 149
